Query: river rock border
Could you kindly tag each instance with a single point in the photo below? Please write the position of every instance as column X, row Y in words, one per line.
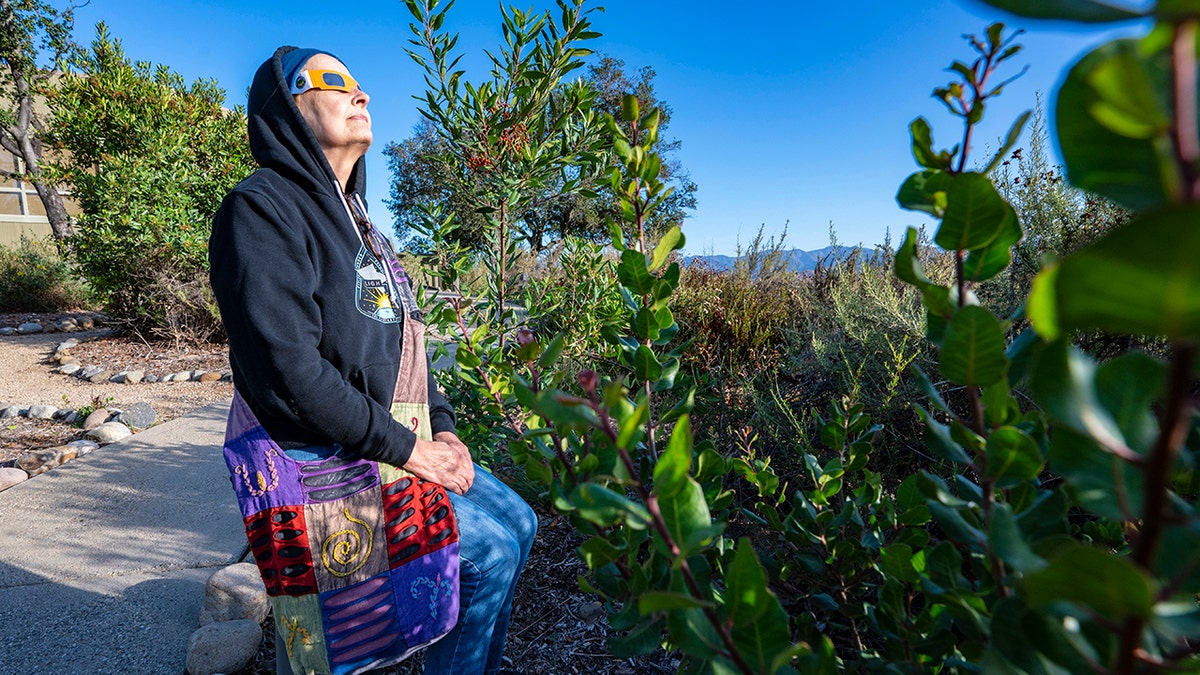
column 64, row 362
column 67, row 324
column 103, row 426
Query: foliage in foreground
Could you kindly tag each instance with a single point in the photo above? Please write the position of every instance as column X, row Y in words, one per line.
column 1063, row 538
column 148, row 158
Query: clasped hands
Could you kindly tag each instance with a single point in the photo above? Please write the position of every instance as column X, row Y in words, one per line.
column 445, row 460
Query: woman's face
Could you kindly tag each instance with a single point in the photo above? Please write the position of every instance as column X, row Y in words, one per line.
column 338, row 119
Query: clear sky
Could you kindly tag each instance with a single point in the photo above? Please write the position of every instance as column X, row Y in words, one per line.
column 790, row 113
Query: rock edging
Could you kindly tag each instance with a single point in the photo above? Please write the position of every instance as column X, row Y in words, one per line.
column 103, row 426
column 65, row 363
column 68, row 324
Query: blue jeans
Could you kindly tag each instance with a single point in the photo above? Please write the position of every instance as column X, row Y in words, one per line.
column 495, row 532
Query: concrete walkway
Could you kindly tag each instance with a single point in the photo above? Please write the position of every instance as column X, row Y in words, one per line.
column 103, row 560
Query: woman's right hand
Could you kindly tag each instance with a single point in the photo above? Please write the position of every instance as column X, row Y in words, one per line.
column 446, row 464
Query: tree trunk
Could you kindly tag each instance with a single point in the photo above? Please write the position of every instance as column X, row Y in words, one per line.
column 56, row 208
column 24, row 131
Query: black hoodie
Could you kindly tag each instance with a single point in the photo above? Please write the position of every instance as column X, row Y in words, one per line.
column 314, row 367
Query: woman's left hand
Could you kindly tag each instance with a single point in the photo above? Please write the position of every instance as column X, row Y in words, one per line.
column 451, row 439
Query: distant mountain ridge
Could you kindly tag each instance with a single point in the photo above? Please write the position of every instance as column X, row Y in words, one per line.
column 798, row 260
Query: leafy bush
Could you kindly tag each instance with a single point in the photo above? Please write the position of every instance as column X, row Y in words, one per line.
column 149, row 159
column 744, row 326
column 1059, row 533
column 574, row 293
column 35, row 278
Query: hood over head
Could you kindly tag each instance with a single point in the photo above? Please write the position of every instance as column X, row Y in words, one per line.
column 280, row 139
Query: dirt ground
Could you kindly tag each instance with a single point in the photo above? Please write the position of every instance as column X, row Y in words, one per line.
column 555, row 628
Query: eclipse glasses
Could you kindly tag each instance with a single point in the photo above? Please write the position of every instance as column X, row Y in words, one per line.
column 323, row 79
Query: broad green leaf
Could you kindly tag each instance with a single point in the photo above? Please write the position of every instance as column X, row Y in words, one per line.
column 1064, row 382
column 553, row 350
column 984, row 263
column 975, row 213
column 643, row 639
column 1112, row 586
column 617, row 236
column 938, row 440
column 657, row 601
column 1033, row 641
column 760, row 625
column 466, row 358
column 685, row 406
column 598, row 552
column 925, row 191
column 922, row 146
column 973, row 349
column 687, row 518
column 673, row 465
column 645, row 324
column 602, row 506
column 1022, row 353
column 1098, row 480
column 908, row 269
column 955, row 525
column 565, row 410
column 908, row 262
column 1137, row 172
column 1180, row 555
column 1126, row 105
column 1127, row 387
column 671, row 241
column 630, row 428
column 895, row 561
column 1046, row 516
column 694, row 634
column 646, row 366
column 633, row 274
column 1012, row 454
column 1141, row 279
column 1084, row 11
column 629, row 107
column 999, row 407
column 1008, row 541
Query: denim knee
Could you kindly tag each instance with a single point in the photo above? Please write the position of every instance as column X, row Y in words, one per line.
column 526, row 522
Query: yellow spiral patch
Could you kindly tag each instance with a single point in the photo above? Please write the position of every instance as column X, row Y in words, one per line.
column 346, row 549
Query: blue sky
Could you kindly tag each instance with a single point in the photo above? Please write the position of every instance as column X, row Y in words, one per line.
column 790, row 113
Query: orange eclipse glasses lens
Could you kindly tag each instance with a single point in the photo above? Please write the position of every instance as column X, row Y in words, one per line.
column 323, row 79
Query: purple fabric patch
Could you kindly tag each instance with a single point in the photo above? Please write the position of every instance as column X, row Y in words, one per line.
column 360, row 624
column 262, row 475
column 427, row 594
column 336, row 478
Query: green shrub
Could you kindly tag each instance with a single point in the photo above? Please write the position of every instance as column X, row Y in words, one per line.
column 35, row 278
column 574, row 292
column 149, row 159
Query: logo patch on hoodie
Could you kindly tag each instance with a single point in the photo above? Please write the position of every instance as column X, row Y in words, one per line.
column 374, row 293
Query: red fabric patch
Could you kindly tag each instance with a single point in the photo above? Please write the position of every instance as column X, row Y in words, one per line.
column 417, row 519
column 279, row 542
